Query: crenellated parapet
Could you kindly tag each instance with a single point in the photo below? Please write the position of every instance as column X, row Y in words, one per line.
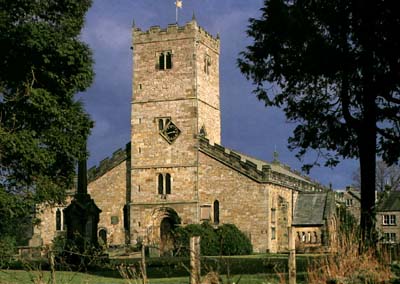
column 108, row 163
column 261, row 171
column 174, row 32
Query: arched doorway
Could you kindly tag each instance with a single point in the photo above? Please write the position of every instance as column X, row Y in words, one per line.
column 166, row 236
column 166, row 221
column 103, row 237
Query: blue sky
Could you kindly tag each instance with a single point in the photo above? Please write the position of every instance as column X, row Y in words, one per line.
column 247, row 126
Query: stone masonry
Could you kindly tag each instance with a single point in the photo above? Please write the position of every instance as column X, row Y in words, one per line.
column 175, row 172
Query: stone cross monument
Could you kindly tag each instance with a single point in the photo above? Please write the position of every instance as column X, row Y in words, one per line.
column 82, row 215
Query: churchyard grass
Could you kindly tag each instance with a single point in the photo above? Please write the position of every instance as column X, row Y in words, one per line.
column 65, row 277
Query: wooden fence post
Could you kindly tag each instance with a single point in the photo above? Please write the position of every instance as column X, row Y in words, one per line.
column 292, row 257
column 143, row 264
column 195, row 260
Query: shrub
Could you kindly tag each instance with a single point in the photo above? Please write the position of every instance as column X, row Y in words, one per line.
column 7, row 250
column 233, row 241
column 226, row 240
column 209, row 243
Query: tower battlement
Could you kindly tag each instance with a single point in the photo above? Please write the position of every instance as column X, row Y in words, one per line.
column 173, row 32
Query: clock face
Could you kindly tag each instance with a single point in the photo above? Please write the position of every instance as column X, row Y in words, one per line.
column 170, row 132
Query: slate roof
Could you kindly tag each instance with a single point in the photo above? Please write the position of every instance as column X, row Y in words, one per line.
column 313, row 208
column 391, row 202
column 275, row 166
column 259, row 170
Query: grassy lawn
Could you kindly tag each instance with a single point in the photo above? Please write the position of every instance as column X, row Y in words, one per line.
column 62, row 277
column 257, row 269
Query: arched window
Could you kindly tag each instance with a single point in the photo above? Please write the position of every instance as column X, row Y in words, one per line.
column 165, row 60
column 126, row 217
column 207, row 64
column 168, row 59
column 216, row 212
column 168, row 184
column 164, row 184
column 58, row 220
column 160, row 184
column 103, row 236
column 315, row 237
column 161, row 64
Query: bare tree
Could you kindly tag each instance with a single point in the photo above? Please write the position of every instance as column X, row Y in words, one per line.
column 387, row 177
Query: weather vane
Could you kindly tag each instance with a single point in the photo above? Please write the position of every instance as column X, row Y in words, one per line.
column 178, row 5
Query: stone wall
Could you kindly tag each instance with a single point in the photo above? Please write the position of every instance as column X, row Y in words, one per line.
column 45, row 231
column 109, row 193
column 245, row 203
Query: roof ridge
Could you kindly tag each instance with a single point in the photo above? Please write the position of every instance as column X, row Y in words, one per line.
column 262, row 173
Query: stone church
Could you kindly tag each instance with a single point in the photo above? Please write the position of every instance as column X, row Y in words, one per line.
column 175, row 172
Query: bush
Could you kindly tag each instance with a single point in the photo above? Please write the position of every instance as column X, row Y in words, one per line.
column 233, row 241
column 209, row 242
column 226, row 240
column 7, row 250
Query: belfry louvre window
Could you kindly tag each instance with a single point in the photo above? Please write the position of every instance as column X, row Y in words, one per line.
column 165, row 60
column 163, row 122
column 160, row 184
column 164, row 185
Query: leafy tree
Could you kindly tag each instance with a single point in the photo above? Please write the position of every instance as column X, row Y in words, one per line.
column 335, row 69
column 43, row 63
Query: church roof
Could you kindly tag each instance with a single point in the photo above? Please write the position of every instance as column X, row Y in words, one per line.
column 278, row 167
column 313, row 208
column 259, row 170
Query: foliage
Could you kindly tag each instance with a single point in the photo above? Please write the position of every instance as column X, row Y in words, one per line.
column 347, row 222
column 334, row 66
column 7, row 251
column 233, row 241
column 237, row 265
column 209, row 242
column 225, row 240
column 43, row 129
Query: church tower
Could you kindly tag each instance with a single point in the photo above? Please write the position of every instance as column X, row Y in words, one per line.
column 175, row 100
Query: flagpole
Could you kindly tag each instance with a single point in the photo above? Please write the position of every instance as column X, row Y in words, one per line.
column 178, row 5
